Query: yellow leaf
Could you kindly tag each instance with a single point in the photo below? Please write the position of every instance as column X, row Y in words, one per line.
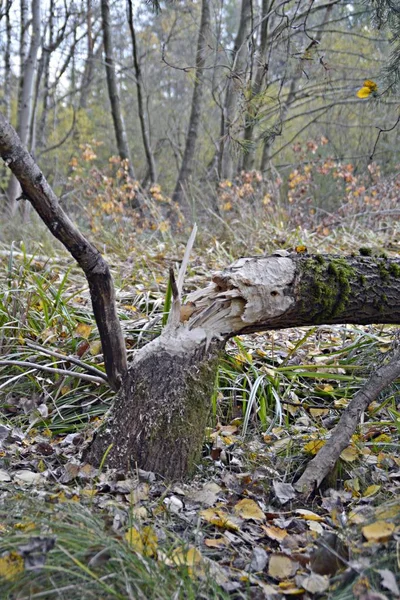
column 83, row 330
column 301, row 249
column 281, row 566
column 217, row 542
column 190, row 558
column 350, row 454
column 319, row 412
column 353, row 486
column 371, row 85
column 11, row 565
column 309, row 515
column 364, row 92
column 248, row 509
column 219, row 518
column 95, row 348
column 314, row 446
column 274, row 533
column 143, row 541
column 340, row 403
column 368, row 88
column 380, row 531
column 371, row 490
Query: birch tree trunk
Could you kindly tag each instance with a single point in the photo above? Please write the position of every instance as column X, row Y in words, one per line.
column 186, row 168
column 112, row 86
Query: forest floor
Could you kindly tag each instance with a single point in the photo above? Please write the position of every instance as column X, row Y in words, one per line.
column 237, row 529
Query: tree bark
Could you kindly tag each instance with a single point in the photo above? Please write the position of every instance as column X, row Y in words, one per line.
column 143, row 117
column 157, row 412
column 36, row 189
column 236, row 81
column 112, row 85
column 28, row 69
column 186, row 169
column 160, row 414
column 255, row 101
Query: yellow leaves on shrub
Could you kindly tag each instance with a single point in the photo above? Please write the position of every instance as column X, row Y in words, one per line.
column 248, row 509
column 11, row 565
column 144, row 541
column 369, row 87
column 313, row 446
column 380, row 531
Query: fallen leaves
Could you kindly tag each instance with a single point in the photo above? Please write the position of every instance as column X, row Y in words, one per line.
column 248, row 509
column 380, row 531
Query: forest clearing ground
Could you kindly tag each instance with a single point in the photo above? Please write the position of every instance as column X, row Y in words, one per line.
column 235, row 531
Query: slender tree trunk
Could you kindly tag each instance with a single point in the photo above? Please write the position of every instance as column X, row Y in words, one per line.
column 143, row 117
column 7, row 62
column 25, row 104
column 36, row 189
column 89, row 64
column 186, row 169
column 236, row 82
column 254, row 100
column 116, row 111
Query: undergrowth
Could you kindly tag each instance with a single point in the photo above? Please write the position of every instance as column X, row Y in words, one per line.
column 280, row 393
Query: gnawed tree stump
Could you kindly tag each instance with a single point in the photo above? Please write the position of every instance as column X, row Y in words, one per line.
column 159, row 416
column 162, row 409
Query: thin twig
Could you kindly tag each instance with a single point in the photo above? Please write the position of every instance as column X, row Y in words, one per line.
column 72, row 359
column 379, row 135
column 23, row 363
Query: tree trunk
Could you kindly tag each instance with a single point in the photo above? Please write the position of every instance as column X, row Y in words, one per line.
column 144, row 125
column 7, row 62
column 255, row 101
column 235, row 82
column 159, row 416
column 36, row 189
column 186, row 169
column 89, row 63
column 119, row 126
column 28, row 69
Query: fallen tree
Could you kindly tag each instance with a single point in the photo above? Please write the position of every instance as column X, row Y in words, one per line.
column 161, row 409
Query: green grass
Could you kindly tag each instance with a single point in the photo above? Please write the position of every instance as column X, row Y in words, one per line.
column 89, row 559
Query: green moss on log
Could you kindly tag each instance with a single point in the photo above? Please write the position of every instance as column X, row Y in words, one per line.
column 326, row 286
